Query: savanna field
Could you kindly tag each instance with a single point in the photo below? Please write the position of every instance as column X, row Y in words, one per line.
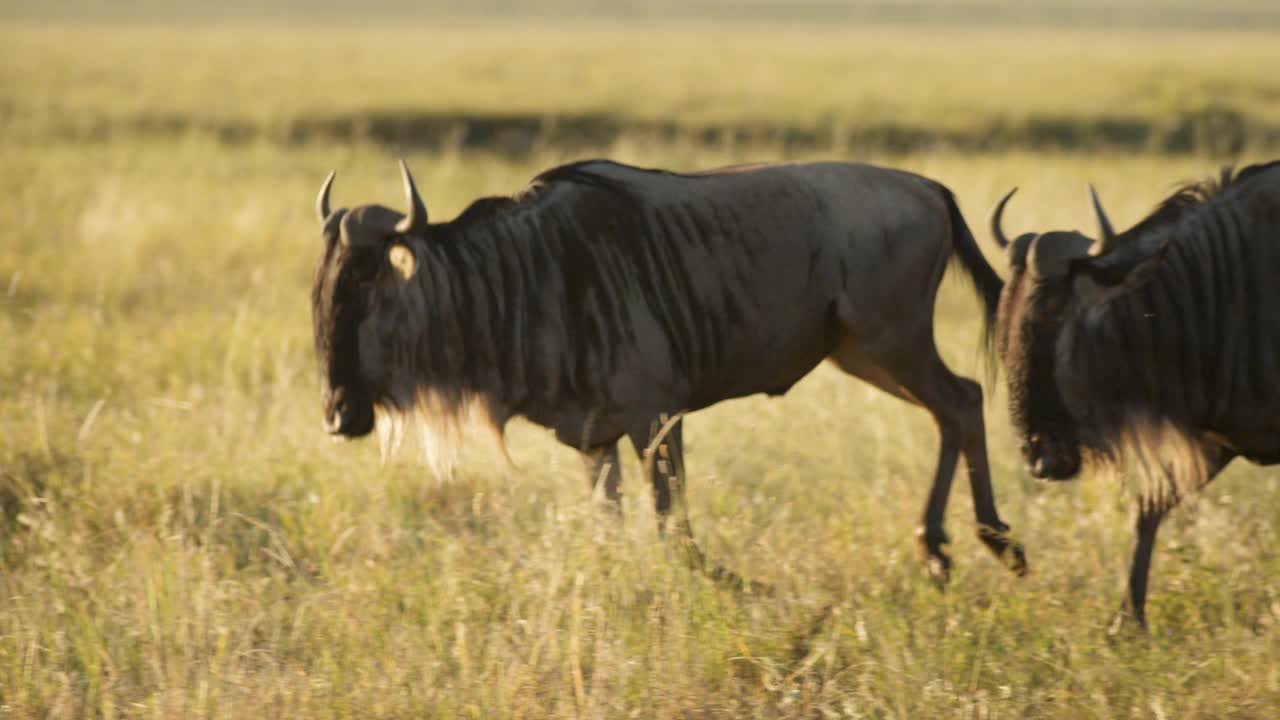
column 179, row 538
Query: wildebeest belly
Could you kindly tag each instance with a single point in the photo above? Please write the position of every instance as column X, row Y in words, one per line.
column 757, row 359
column 650, row 384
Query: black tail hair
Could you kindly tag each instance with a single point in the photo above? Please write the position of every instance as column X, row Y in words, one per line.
column 984, row 277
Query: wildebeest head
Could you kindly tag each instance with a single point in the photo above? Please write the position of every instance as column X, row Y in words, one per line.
column 368, row 254
column 1056, row 278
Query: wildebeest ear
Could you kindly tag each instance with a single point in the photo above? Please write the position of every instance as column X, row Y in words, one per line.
column 402, row 261
column 1129, row 264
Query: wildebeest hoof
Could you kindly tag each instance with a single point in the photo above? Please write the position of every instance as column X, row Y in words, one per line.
column 1127, row 623
column 939, row 567
column 935, row 560
column 1005, row 547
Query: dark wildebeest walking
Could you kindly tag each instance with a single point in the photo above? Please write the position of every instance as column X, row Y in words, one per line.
column 1159, row 343
column 606, row 300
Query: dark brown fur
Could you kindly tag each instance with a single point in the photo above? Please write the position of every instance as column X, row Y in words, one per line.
column 1170, row 357
column 605, row 298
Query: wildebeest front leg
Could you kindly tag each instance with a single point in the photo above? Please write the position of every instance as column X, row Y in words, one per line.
column 1150, row 513
column 1152, row 507
column 661, row 449
column 602, row 467
column 663, row 456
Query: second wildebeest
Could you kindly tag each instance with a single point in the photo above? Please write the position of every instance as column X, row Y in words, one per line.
column 604, row 299
column 1157, row 344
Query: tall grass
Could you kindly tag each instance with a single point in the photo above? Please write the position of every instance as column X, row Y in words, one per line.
column 178, row 539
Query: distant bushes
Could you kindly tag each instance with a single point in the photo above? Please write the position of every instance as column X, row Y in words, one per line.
column 1211, row 130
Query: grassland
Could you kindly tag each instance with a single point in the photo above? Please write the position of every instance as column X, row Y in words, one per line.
column 178, row 539
column 586, row 85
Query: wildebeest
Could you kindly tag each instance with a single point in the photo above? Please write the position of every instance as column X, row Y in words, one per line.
column 606, row 298
column 1160, row 344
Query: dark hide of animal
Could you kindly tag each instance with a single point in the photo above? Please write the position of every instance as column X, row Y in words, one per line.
column 1154, row 344
column 606, row 300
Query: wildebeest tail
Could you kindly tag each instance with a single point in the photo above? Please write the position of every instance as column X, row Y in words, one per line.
column 984, row 277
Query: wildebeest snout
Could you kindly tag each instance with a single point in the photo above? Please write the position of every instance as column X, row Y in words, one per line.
column 346, row 415
column 1048, row 461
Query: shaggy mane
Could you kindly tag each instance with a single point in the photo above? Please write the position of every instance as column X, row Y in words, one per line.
column 1192, row 194
column 582, row 173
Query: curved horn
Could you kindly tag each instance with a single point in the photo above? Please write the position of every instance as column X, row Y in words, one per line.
column 322, row 200
column 1106, row 241
column 1001, row 239
column 416, row 221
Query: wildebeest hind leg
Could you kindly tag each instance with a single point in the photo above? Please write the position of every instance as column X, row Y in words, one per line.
column 992, row 531
column 661, row 449
column 915, row 372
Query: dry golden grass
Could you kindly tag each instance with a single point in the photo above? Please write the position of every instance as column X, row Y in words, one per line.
column 178, row 539
column 145, row 79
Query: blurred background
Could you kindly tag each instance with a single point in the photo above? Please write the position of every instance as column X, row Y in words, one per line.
column 1160, row 76
column 179, row 539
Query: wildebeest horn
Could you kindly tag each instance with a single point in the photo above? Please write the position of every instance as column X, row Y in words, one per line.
column 322, row 200
column 1106, row 240
column 1001, row 239
column 416, row 220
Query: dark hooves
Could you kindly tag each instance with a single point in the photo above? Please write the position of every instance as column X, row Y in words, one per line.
column 1126, row 623
column 1005, row 547
column 937, row 562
